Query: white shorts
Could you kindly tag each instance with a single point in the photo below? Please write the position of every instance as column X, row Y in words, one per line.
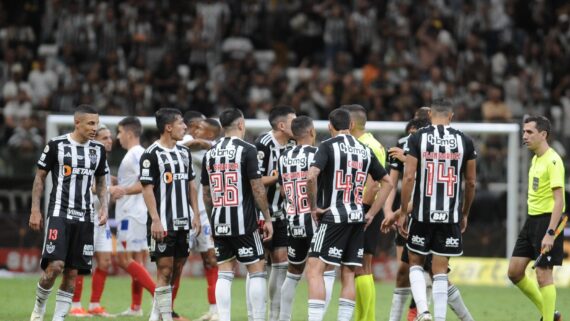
column 102, row 240
column 204, row 241
column 131, row 236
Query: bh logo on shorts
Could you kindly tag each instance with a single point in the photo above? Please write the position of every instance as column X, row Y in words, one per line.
column 451, row 242
column 245, row 252
column 417, row 240
column 298, row 231
column 291, row 252
column 334, row 252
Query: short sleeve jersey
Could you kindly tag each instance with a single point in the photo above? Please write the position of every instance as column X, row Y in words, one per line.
column 545, row 174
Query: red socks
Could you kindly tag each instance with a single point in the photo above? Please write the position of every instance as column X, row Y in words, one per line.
column 141, row 275
column 212, row 278
column 78, row 288
column 98, row 284
column 136, row 294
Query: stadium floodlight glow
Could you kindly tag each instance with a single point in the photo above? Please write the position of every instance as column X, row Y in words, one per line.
column 56, row 122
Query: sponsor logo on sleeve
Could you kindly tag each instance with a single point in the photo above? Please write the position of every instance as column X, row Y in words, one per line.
column 146, row 163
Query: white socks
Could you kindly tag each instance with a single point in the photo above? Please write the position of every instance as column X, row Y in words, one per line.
column 418, row 285
column 439, row 297
column 62, row 305
column 163, row 297
column 455, row 302
column 345, row 309
column 213, row 308
column 247, row 301
column 399, row 299
column 41, row 299
column 316, row 310
column 287, row 295
column 276, row 279
column 329, row 277
column 224, row 294
column 258, row 294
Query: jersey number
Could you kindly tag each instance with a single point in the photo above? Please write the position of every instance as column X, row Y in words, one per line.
column 345, row 185
column 224, row 189
column 297, row 198
column 52, row 234
column 443, row 176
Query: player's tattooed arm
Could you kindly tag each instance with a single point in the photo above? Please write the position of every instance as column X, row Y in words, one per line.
column 35, row 222
column 101, row 191
column 260, row 197
column 207, row 197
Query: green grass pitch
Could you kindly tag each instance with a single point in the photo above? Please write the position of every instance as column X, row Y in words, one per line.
column 486, row 303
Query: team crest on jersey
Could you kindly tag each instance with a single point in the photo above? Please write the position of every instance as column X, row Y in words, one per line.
column 50, row 248
column 161, row 247
column 146, row 163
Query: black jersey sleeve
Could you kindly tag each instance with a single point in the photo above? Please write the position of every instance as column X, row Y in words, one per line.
column 251, row 163
column 48, row 158
column 149, row 169
column 103, row 168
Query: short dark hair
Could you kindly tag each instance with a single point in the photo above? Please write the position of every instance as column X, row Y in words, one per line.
column 278, row 112
column 85, row 109
column 417, row 123
column 422, row 112
column 441, row 106
column 165, row 116
column 190, row 115
column 359, row 111
column 132, row 124
column 542, row 123
column 300, row 125
column 340, row 119
column 227, row 117
column 215, row 124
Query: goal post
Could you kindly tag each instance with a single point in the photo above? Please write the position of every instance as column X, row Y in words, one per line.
column 55, row 124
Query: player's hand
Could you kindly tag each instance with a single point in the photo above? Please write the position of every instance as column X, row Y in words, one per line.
column 36, row 221
column 397, row 153
column 267, row 231
column 463, row 224
column 260, row 225
column 388, row 222
column 402, row 224
column 157, row 231
column 103, row 215
column 196, row 225
column 547, row 243
column 117, row 192
column 368, row 219
column 318, row 213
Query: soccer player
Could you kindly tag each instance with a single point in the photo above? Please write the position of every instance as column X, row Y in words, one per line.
column 103, row 246
column 232, row 187
column 170, row 197
column 270, row 146
column 365, row 288
column 74, row 160
column 439, row 158
column 342, row 165
column 293, row 173
column 208, row 130
column 545, row 206
column 131, row 215
column 193, row 120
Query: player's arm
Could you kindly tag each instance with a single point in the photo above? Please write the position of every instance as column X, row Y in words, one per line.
column 36, row 217
column 198, row 144
column 148, row 179
column 379, row 176
column 206, row 193
column 258, row 189
column 312, row 178
column 389, row 204
column 101, row 192
column 470, row 178
column 193, row 195
column 263, row 157
column 556, row 174
column 408, row 182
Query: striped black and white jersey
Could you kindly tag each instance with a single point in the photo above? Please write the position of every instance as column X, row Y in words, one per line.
column 442, row 154
column 395, row 163
column 345, row 164
column 72, row 166
column 268, row 152
column 293, row 173
column 227, row 169
column 170, row 172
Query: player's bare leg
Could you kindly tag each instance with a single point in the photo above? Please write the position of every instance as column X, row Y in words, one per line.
column 163, row 291
column 44, row 287
column 276, row 279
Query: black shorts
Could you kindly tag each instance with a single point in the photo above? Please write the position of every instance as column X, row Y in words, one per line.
column 175, row 244
column 299, row 238
column 372, row 233
column 247, row 249
column 279, row 238
column 69, row 241
column 339, row 243
column 399, row 240
column 439, row 239
column 530, row 238
column 427, row 261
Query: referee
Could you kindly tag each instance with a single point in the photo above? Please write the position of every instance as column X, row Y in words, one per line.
column 545, row 207
column 365, row 288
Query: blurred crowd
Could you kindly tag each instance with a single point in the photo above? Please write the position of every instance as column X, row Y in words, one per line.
column 498, row 59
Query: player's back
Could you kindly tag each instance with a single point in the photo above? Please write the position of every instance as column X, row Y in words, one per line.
column 344, row 163
column 293, row 173
column 228, row 168
column 127, row 175
column 442, row 153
